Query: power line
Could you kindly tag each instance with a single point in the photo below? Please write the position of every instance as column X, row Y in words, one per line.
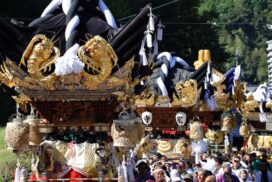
column 127, row 17
column 18, row 18
column 155, row 8
column 214, row 23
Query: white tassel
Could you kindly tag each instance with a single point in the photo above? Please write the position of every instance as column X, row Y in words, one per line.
column 120, row 172
column 143, row 57
column 232, row 89
column 237, row 72
column 125, row 170
column 142, row 53
column 148, row 38
column 196, row 158
column 151, row 23
column 129, row 165
column 17, row 172
column 209, row 69
column 262, row 114
column 208, row 72
column 226, row 141
column 261, row 107
column 160, row 31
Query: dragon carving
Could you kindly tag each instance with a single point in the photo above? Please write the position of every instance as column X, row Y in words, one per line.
column 35, row 68
column 186, row 93
column 99, row 59
column 39, row 57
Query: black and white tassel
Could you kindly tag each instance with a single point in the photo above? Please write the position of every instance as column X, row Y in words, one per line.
column 164, row 71
column 72, row 21
column 107, row 13
column 51, row 7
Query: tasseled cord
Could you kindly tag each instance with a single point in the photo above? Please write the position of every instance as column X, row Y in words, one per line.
column 151, row 24
column 150, row 29
column 130, row 166
column 17, row 171
column 124, row 166
column 148, row 35
column 160, row 31
column 155, row 47
column 142, row 53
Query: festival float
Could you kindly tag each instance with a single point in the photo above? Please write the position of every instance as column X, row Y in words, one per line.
column 88, row 109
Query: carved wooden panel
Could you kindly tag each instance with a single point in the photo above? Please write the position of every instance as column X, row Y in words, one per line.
column 164, row 117
column 75, row 112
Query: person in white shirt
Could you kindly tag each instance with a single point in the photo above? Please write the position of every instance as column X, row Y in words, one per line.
column 236, row 165
column 218, row 166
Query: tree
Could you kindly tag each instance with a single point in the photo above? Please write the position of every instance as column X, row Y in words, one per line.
column 241, row 25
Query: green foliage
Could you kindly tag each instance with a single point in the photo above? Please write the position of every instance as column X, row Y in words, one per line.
column 242, row 32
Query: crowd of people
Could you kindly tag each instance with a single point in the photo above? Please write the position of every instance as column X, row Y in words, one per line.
column 238, row 166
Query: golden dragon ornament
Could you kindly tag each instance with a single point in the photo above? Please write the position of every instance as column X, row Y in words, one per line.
column 99, row 59
column 39, row 57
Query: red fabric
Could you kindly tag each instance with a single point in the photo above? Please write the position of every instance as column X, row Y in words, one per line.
column 33, row 177
column 74, row 174
column 205, row 126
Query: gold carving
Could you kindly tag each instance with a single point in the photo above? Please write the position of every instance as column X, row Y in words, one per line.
column 251, row 105
column 226, row 100
column 203, row 56
column 99, row 58
column 22, row 100
column 12, row 75
column 187, row 93
column 184, row 148
column 122, row 76
column 196, row 130
column 39, row 57
column 215, row 136
column 146, row 98
column 97, row 55
column 228, row 122
column 256, row 141
column 245, row 129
